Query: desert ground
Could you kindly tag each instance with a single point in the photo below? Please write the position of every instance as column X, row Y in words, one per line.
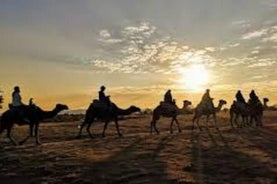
column 240, row 155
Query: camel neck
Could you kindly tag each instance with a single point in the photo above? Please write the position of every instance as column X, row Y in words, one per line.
column 124, row 111
column 218, row 108
column 50, row 114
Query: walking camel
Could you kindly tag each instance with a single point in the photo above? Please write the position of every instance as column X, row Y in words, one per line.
column 103, row 112
column 246, row 111
column 34, row 114
column 207, row 109
column 167, row 110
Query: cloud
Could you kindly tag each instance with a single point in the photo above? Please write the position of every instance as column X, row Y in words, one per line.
column 254, row 34
column 262, row 63
column 270, row 3
column 106, row 37
column 272, row 38
column 143, row 50
column 210, row 49
column 241, row 23
column 104, row 33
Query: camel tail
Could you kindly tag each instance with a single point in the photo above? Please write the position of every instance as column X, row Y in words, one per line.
column 1, row 126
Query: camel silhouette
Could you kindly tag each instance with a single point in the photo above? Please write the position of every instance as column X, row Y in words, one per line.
column 246, row 111
column 101, row 111
column 35, row 114
column 168, row 110
column 238, row 109
column 207, row 110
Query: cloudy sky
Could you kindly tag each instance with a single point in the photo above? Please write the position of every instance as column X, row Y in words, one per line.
column 64, row 50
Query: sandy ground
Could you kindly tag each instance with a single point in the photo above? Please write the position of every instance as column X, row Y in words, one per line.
column 246, row 155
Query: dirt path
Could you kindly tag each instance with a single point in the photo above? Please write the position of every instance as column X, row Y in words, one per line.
column 226, row 155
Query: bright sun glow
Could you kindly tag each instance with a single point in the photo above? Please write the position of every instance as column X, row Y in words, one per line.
column 195, row 77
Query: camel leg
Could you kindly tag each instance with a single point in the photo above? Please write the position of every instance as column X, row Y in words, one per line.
column 155, row 127
column 197, row 122
column 31, row 127
column 207, row 120
column 105, row 127
column 37, row 134
column 251, row 121
column 236, row 121
column 215, row 121
column 171, row 125
column 193, row 120
column 88, row 130
column 260, row 121
column 244, row 124
column 231, row 119
column 81, row 128
column 10, row 136
column 31, row 130
column 177, row 122
column 117, row 127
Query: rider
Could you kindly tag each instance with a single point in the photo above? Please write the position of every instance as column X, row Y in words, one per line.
column 206, row 98
column 253, row 97
column 240, row 98
column 103, row 97
column 18, row 105
column 168, row 97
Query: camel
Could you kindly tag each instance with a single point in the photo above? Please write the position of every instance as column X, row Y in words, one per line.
column 256, row 113
column 203, row 109
column 34, row 114
column 246, row 111
column 98, row 110
column 167, row 110
column 239, row 109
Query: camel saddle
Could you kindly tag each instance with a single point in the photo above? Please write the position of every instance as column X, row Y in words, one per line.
column 167, row 106
column 99, row 104
column 240, row 105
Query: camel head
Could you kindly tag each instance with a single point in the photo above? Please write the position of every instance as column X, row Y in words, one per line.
column 222, row 102
column 134, row 109
column 266, row 100
column 186, row 103
column 61, row 107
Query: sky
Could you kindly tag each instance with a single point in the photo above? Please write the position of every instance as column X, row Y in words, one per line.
column 62, row 51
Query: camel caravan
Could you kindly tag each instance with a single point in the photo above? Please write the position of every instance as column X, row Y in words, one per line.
column 104, row 110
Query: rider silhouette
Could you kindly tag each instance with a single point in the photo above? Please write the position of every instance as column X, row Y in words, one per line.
column 168, row 97
column 239, row 97
column 206, row 97
column 102, row 97
column 253, row 98
column 18, row 105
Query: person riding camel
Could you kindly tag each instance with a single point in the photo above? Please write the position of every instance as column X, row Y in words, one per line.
column 18, row 105
column 240, row 98
column 254, row 99
column 168, row 97
column 206, row 98
column 102, row 97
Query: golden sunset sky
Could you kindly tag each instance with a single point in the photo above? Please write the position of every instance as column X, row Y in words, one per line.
column 63, row 51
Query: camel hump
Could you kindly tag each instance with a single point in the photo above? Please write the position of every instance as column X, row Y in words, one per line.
column 102, row 105
column 99, row 104
column 167, row 106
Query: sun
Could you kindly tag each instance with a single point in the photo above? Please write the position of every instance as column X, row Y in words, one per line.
column 195, row 77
